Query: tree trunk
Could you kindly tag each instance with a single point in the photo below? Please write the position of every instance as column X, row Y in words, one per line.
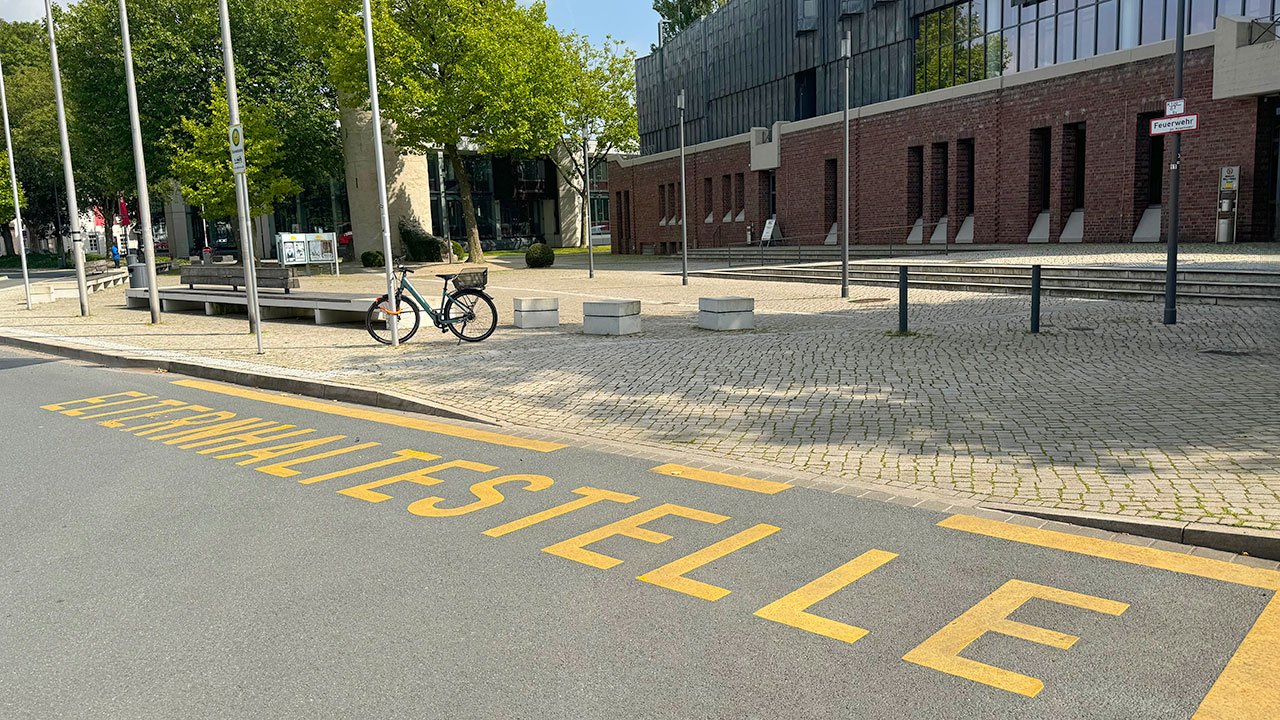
column 8, row 239
column 109, row 226
column 474, row 251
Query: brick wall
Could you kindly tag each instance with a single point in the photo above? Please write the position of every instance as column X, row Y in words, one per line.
column 1110, row 102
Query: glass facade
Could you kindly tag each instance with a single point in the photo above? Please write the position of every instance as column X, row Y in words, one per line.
column 979, row 39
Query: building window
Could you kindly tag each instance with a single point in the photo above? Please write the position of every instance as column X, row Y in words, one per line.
column 831, row 172
column 915, row 183
column 708, row 199
column 965, row 178
column 662, row 203
column 740, row 196
column 953, row 47
column 806, row 16
column 726, row 197
column 806, row 94
column 1039, row 166
column 1074, row 141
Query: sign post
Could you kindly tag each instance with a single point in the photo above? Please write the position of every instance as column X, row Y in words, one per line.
column 1177, row 125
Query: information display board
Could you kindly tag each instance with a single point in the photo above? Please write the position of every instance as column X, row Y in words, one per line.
column 308, row 249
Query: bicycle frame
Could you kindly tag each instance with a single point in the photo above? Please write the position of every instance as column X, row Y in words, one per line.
column 436, row 319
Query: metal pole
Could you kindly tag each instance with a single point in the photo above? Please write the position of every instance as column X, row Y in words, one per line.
column 73, row 207
column 1175, row 182
column 382, row 175
column 684, row 215
column 242, row 185
column 1035, row 299
column 140, row 170
column 13, row 180
column 844, row 261
column 902, row 300
column 586, row 185
column 444, row 206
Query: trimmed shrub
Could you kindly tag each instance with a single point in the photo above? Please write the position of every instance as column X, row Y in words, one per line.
column 539, row 255
column 459, row 252
column 420, row 245
column 373, row 258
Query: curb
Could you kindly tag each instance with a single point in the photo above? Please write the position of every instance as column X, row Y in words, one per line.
column 246, row 378
column 1241, row 541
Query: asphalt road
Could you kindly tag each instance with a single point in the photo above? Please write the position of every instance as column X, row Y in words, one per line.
column 151, row 571
column 12, row 277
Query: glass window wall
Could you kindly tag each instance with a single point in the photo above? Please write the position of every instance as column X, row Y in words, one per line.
column 978, row 39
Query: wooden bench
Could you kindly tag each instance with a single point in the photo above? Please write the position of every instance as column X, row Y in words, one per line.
column 233, row 276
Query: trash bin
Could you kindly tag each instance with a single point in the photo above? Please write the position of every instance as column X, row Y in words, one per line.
column 138, row 276
column 1227, row 225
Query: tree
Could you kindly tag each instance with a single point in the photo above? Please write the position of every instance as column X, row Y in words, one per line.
column 486, row 74
column 33, row 120
column 680, row 14
column 953, row 50
column 179, row 71
column 202, row 163
column 7, row 214
column 599, row 109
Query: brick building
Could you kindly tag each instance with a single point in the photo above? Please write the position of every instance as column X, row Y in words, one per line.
column 1000, row 141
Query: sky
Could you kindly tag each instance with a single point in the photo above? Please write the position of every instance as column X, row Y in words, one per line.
column 632, row 21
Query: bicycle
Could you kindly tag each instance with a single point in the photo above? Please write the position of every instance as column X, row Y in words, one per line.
column 468, row 312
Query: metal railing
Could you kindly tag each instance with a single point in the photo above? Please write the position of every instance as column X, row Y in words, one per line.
column 1264, row 29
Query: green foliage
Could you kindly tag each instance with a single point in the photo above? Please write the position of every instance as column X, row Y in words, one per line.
column 35, row 261
column 539, row 255
column 178, row 64
column 33, row 123
column 420, row 245
column 488, row 74
column 458, row 254
column 600, row 109
column 202, row 163
column 680, row 14
column 6, row 192
column 953, row 50
column 373, row 258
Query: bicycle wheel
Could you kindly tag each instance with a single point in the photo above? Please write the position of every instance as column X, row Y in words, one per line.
column 475, row 314
column 378, row 322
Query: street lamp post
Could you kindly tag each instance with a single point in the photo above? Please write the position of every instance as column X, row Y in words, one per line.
column 382, row 176
column 1175, row 180
column 586, row 191
column 684, row 215
column 140, row 170
column 13, row 179
column 847, row 51
column 242, row 185
column 73, row 207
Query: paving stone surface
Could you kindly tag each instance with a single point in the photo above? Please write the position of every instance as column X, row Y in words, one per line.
column 1106, row 411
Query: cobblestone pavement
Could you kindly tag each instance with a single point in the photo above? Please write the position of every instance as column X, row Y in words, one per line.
column 1106, row 411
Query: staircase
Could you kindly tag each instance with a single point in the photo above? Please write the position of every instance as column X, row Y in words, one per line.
column 1221, row 287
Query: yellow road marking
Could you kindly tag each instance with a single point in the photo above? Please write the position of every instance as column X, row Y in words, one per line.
column 423, row 476
column 1246, row 689
column 285, row 468
column 1147, row 557
column 941, row 652
column 790, row 610
column 575, row 548
column 765, row 487
column 671, row 575
column 591, row 496
column 412, row 423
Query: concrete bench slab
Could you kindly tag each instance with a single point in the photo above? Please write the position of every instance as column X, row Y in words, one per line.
column 611, row 317
column 726, row 313
column 537, row 313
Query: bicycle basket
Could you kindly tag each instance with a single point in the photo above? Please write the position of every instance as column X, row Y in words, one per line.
column 471, row 279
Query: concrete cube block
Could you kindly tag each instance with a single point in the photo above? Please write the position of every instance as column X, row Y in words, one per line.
column 606, row 325
column 727, row 320
column 611, row 308
column 527, row 319
column 726, row 304
column 536, row 304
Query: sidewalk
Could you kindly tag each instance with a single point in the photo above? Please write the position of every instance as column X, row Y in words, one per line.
column 1106, row 411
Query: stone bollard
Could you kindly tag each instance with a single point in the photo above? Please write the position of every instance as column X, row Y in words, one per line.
column 537, row 312
column 611, row 317
column 727, row 313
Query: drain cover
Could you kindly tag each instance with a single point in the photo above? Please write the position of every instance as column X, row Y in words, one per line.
column 1082, row 329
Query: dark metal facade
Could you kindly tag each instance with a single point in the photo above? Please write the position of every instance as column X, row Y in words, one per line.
column 741, row 66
